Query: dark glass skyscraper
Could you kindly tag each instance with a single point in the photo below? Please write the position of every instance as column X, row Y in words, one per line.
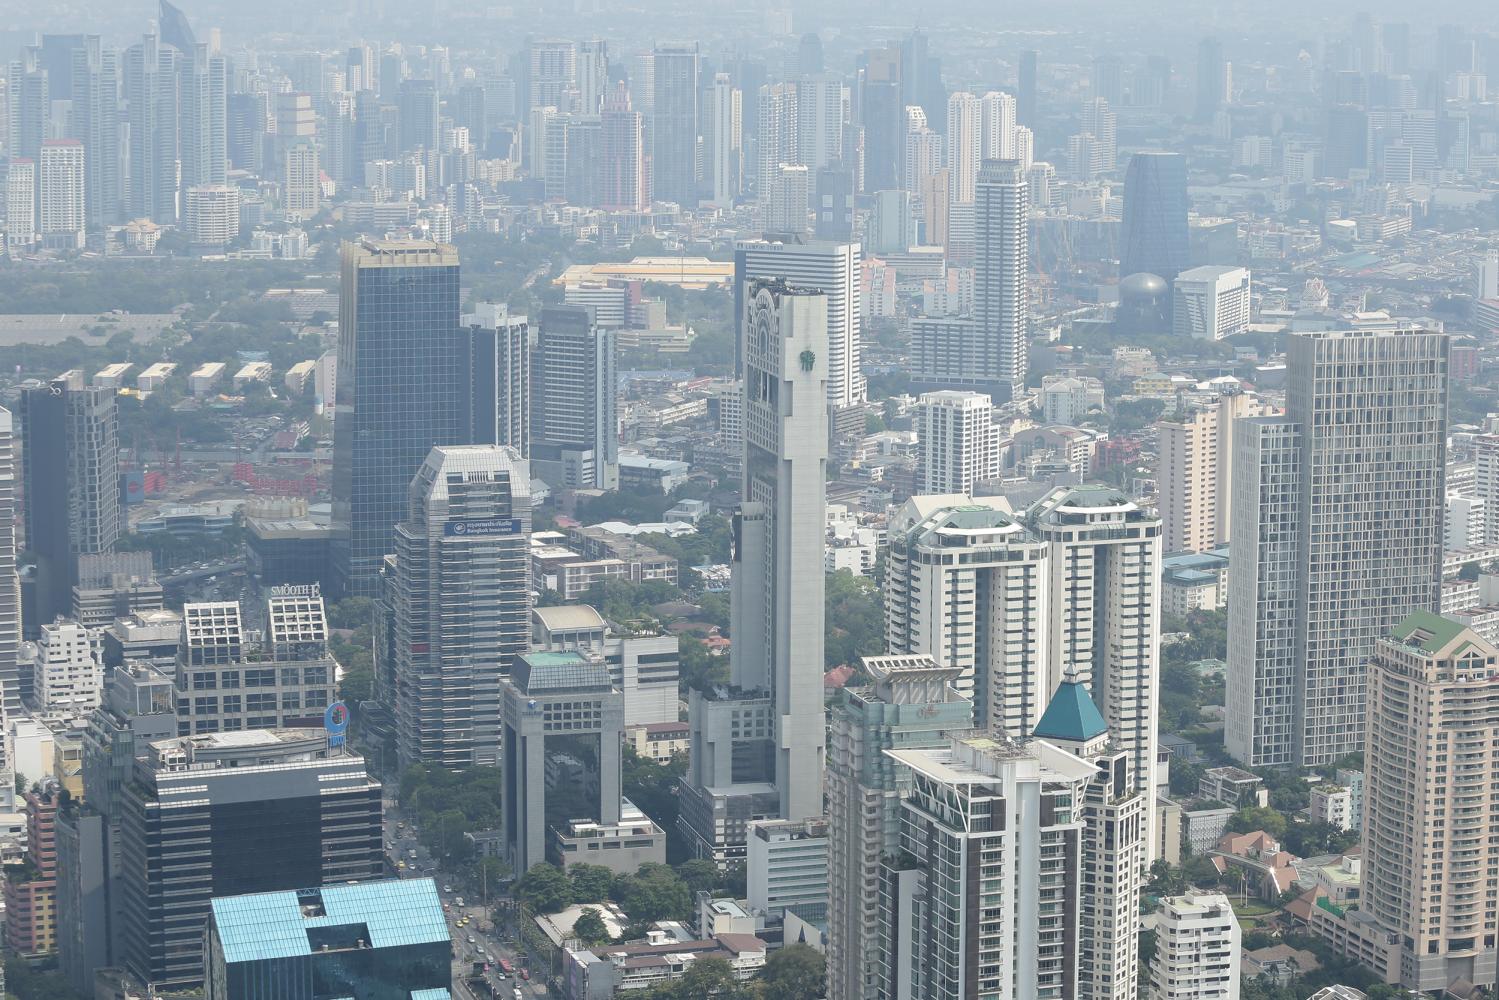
column 1154, row 239
column 71, row 474
column 402, row 388
column 674, row 124
column 1025, row 99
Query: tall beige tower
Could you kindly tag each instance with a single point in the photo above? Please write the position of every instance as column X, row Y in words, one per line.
column 1195, row 471
column 1433, row 748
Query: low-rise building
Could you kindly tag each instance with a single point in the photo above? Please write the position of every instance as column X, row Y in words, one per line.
column 1204, row 824
column 1233, row 786
column 1332, row 803
column 605, row 972
column 1197, row 949
column 787, row 868
column 660, row 741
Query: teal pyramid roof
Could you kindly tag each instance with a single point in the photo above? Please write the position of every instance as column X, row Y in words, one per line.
column 1071, row 715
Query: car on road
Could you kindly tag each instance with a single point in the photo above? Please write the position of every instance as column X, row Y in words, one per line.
column 447, row 888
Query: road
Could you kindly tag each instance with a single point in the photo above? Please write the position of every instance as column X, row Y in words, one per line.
column 475, row 939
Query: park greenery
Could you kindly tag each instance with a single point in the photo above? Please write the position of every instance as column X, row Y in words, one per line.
column 651, row 893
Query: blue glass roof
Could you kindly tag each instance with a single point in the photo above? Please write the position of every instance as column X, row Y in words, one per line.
column 1071, row 715
column 438, row 994
column 270, row 925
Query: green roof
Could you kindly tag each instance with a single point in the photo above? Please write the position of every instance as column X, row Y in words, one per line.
column 1427, row 631
column 1071, row 715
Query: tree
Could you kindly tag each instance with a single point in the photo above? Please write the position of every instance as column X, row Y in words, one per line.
column 654, row 892
column 1254, row 818
column 700, row 874
column 796, row 972
column 653, row 787
column 590, row 929
column 1146, row 945
column 854, row 625
column 591, row 883
column 545, row 888
column 351, row 613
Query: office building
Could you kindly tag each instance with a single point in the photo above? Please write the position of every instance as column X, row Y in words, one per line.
column 959, row 442
column 419, row 115
column 882, row 113
column 1431, row 748
column 1194, row 474
column 1212, row 79
column 499, row 377
column 139, row 707
column 910, row 704
column 225, row 682
column 644, row 668
column 759, row 754
column 28, row 104
column 60, row 185
column 574, row 408
column 385, row 938
column 786, row 868
column 831, row 268
column 153, row 102
column 228, row 814
column 1364, row 430
column 457, row 598
column 401, row 375
column 69, row 678
column 563, row 725
column 1154, row 238
column 10, row 581
column 1197, row 949
column 674, row 124
column 70, row 466
column 726, row 154
column 1210, row 302
column 1104, row 556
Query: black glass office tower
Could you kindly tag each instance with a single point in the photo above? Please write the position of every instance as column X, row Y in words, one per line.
column 70, row 466
column 1154, row 239
column 402, row 388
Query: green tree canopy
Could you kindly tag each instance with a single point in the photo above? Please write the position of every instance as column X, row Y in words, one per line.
column 591, row 883
column 795, row 972
column 590, row 928
column 655, row 892
column 545, row 888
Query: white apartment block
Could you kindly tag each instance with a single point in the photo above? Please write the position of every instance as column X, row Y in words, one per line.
column 966, row 584
column 959, row 442
column 212, row 214
column 20, row 204
column 69, row 677
column 1332, row 804
column 1197, row 949
column 61, row 188
column 1210, row 302
column 1066, row 400
column 1464, row 527
column 1486, row 482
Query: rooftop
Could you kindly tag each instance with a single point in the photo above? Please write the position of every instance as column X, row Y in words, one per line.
column 1071, row 715
column 294, row 923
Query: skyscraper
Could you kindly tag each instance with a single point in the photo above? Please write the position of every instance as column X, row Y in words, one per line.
column 419, row 115
column 625, row 184
column 727, row 152
column 226, row 814
column 152, row 97
column 71, row 470
column 574, row 408
column 204, row 136
column 27, row 104
column 965, row 146
column 820, row 105
column 499, row 377
column 96, row 122
column 1001, row 230
column 674, row 125
column 1430, row 756
column 1154, row 238
column 882, row 113
column 553, row 72
column 760, row 751
column 910, row 704
column 1212, row 78
column 1025, row 89
column 401, row 375
column 458, row 596
column 833, row 269
column 776, row 137
column 1337, row 530
column 1104, row 608
column 10, row 583
column 967, row 585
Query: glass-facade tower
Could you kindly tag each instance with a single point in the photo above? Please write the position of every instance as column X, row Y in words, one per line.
column 1154, row 239
column 402, row 383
